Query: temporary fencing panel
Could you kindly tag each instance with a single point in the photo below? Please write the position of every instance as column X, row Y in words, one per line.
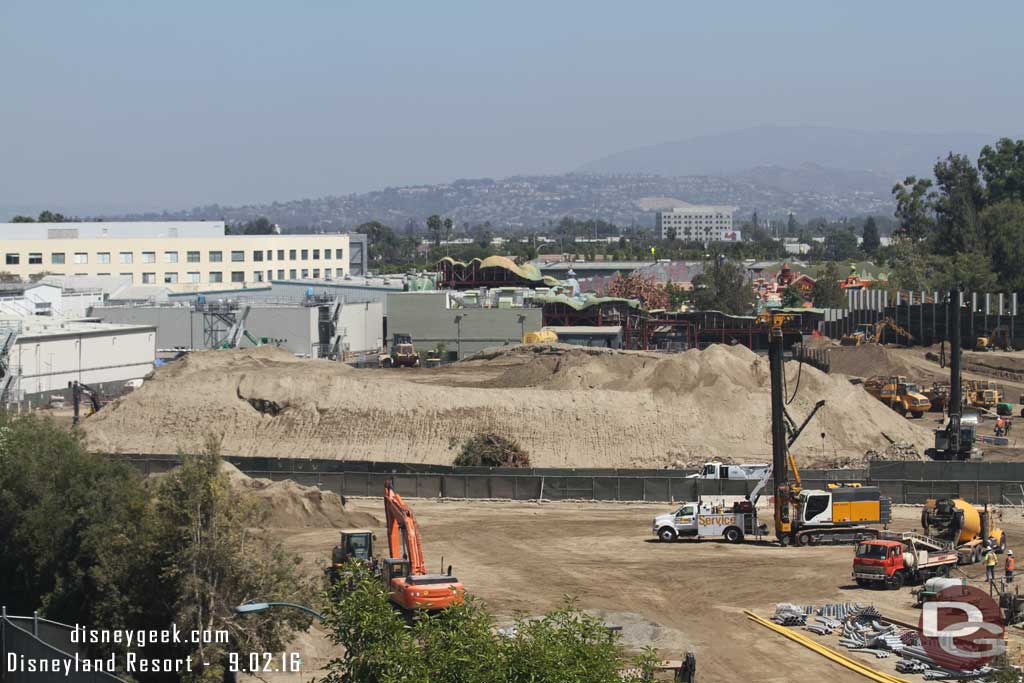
column 17, row 638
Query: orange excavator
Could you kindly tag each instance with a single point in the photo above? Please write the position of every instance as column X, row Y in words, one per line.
column 405, row 572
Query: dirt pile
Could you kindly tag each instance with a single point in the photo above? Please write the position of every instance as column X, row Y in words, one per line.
column 292, row 506
column 871, row 359
column 567, row 406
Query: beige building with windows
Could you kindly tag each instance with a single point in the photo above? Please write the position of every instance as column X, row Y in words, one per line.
column 698, row 223
column 180, row 255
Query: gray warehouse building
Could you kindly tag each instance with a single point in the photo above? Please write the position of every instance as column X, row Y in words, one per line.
column 462, row 327
column 317, row 329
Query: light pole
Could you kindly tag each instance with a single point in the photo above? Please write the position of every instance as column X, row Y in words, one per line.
column 458, row 322
column 254, row 607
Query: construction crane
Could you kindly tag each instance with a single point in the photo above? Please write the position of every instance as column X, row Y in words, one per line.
column 78, row 390
column 405, row 571
column 809, row 517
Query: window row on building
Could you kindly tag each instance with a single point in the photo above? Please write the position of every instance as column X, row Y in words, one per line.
column 235, row 276
column 213, row 256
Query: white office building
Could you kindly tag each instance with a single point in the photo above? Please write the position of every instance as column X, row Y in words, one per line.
column 698, row 223
column 179, row 255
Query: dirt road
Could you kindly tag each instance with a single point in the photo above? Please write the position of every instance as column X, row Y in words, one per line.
column 524, row 557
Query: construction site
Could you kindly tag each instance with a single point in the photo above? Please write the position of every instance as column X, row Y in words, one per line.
column 804, row 481
column 803, row 503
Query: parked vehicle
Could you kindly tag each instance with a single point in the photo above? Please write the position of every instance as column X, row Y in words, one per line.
column 896, row 559
column 718, row 470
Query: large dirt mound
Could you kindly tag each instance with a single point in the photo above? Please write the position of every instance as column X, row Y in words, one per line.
column 290, row 506
column 868, row 360
column 567, row 406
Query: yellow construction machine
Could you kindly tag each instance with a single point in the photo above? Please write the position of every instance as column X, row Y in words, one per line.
column 871, row 333
column 998, row 339
column 542, row 336
column 842, row 513
column 899, row 394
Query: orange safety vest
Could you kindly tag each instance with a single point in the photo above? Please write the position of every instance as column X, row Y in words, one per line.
column 1010, row 564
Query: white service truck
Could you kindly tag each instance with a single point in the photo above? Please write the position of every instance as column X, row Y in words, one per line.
column 698, row 520
column 717, row 470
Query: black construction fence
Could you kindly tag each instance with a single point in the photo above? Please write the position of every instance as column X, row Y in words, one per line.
column 367, row 478
column 992, row 483
column 923, row 315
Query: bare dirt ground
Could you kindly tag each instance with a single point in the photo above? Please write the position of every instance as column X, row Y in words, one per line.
column 525, row 557
column 567, row 406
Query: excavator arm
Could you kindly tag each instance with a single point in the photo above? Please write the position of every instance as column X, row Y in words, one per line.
column 403, row 532
column 889, row 323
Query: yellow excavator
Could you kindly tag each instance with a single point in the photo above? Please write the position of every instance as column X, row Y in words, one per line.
column 871, row 333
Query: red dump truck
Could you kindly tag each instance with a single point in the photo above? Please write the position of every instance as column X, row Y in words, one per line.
column 895, row 559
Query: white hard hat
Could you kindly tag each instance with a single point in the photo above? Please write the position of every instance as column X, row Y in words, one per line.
column 1009, row 552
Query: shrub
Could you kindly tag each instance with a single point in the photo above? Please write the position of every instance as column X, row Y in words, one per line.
column 461, row 644
column 491, row 450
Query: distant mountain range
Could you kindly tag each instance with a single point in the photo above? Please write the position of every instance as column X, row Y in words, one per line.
column 535, row 201
column 810, row 171
column 886, row 153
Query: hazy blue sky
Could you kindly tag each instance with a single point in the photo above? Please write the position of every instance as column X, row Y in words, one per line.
column 128, row 104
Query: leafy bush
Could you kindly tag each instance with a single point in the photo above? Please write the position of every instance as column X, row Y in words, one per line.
column 461, row 644
column 491, row 450
column 84, row 540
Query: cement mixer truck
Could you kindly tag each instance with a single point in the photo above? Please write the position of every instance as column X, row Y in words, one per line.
column 964, row 526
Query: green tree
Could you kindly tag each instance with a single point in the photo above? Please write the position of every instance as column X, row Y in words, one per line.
column 51, row 217
column 792, row 229
column 259, row 226
column 436, row 229
column 956, row 206
column 913, row 266
column 840, row 245
column 826, row 292
column 213, row 561
column 871, row 241
column 913, row 207
column 724, row 287
column 1003, row 227
column 85, row 540
column 23, row 219
column 1002, row 169
column 791, row 298
column 75, row 530
column 461, row 645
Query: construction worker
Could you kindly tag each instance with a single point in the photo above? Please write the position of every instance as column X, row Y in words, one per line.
column 990, row 563
column 1010, row 566
column 1000, row 426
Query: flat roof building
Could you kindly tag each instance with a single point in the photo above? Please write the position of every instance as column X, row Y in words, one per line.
column 48, row 353
column 179, row 255
column 697, row 223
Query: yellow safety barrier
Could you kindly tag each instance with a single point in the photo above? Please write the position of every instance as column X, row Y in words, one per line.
column 839, row 658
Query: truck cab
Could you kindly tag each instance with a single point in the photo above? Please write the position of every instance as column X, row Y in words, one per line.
column 354, row 544
column 718, row 470
column 895, row 561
